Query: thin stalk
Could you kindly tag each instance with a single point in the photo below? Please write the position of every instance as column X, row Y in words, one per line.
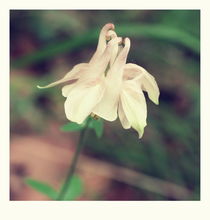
column 71, row 170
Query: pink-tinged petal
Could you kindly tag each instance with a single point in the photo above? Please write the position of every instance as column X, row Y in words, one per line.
column 105, row 57
column 114, row 75
column 134, row 108
column 101, row 42
column 82, row 99
column 107, row 108
column 102, row 36
column 132, row 72
column 116, row 70
column 110, row 35
column 75, row 73
column 98, row 69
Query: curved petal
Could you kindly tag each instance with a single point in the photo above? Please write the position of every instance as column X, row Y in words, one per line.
column 132, row 72
column 105, row 57
column 117, row 68
column 123, row 119
column 150, row 86
column 66, row 89
column 101, row 42
column 75, row 73
column 146, row 80
column 115, row 53
column 81, row 101
column 102, row 37
column 134, row 107
column 107, row 108
column 110, row 35
column 98, row 68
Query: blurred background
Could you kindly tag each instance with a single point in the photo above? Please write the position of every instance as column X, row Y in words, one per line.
column 164, row 164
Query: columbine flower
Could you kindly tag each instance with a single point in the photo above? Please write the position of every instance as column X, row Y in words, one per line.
column 108, row 87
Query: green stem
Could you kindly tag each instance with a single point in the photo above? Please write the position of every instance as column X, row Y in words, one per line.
column 64, row 189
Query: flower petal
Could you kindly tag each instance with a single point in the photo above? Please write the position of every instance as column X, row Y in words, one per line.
column 132, row 72
column 146, row 80
column 110, row 35
column 81, row 100
column 107, row 108
column 123, row 119
column 75, row 73
column 101, row 42
column 116, row 70
column 111, row 46
column 150, row 86
column 102, row 36
column 98, row 68
column 66, row 89
column 134, row 107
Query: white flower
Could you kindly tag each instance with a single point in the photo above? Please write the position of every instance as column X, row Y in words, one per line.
column 108, row 87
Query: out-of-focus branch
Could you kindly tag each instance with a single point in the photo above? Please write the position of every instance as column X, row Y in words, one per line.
column 136, row 179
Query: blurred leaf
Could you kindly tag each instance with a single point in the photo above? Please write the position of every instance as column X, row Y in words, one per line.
column 42, row 188
column 153, row 31
column 72, row 126
column 184, row 20
column 98, row 126
column 75, row 188
column 161, row 32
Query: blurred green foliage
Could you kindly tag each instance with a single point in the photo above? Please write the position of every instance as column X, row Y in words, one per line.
column 72, row 126
column 42, row 188
column 96, row 124
column 75, row 188
column 160, row 32
column 47, row 43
